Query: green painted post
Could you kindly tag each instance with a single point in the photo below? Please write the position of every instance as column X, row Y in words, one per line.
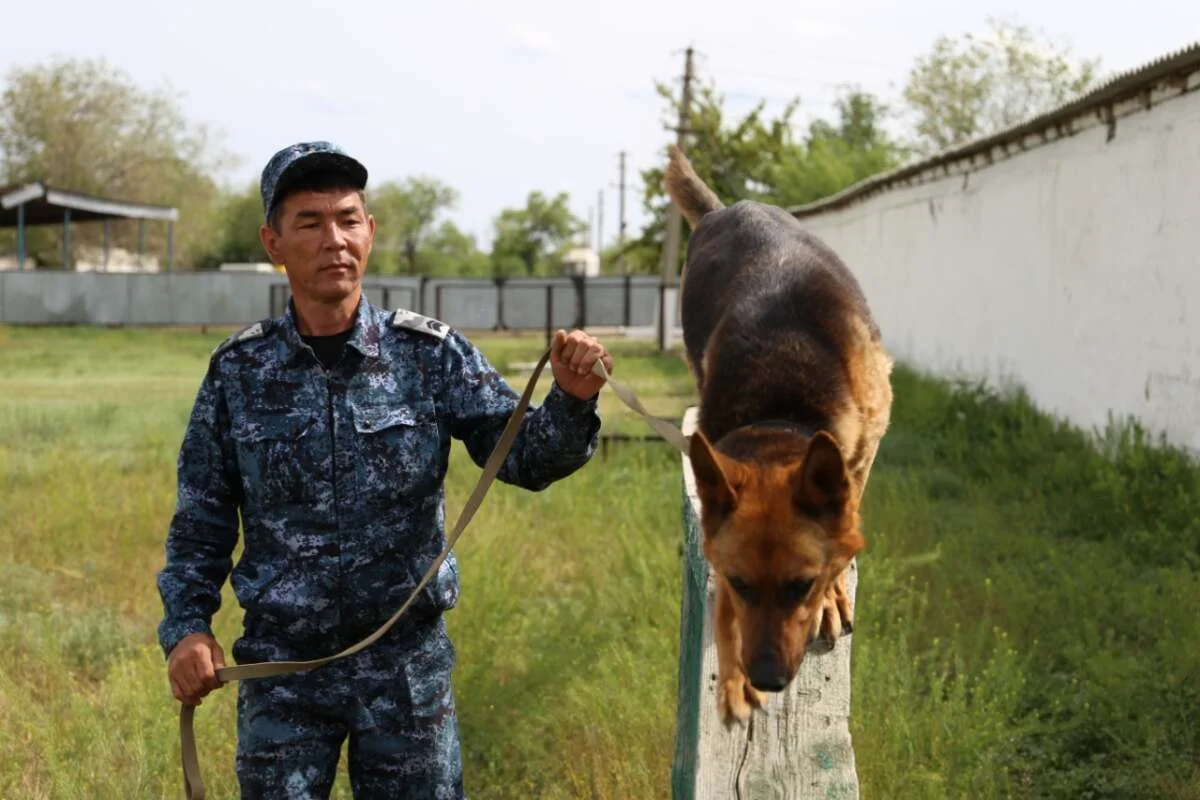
column 693, row 610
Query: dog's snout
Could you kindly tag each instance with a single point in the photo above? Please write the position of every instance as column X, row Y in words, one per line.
column 767, row 674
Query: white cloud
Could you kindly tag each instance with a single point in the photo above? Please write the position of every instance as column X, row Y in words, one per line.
column 819, row 29
column 532, row 41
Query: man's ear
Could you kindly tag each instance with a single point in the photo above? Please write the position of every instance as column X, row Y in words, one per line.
column 712, row 481
column 821, row 485
column 370, row 239
column 270, row 242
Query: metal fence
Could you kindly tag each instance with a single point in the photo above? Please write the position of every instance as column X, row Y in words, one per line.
column 212, row 298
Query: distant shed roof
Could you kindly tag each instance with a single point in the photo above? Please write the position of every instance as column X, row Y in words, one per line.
column 44, row 205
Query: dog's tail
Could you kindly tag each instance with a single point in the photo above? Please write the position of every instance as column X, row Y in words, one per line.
column 687, row 190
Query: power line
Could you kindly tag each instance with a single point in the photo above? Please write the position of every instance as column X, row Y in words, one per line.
column 600, row 222
column 621, row 225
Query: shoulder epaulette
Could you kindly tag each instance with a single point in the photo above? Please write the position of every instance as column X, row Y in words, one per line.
column 255, row 331
column 403, row 318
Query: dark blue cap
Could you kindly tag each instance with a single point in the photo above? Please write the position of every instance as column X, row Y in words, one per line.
column 297, row 161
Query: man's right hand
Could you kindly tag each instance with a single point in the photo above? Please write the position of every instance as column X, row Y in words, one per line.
column 192, row 667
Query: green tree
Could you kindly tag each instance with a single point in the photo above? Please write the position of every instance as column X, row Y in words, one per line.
column 405, row 213
column 449, row 251
column 85, row 126
column 737, row 159
column 756, row 157
column 972, row 86
column 240, row 216
column 637, row 257
column 834, row 156
column 530, row 239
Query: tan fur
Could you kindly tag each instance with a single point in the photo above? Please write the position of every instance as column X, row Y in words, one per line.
column 866, row 417
column 687, row 190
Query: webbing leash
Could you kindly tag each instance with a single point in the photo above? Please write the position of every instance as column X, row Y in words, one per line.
column 193, row 783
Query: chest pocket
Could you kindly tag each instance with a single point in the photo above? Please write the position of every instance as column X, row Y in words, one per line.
column 279, row 458
column 400, row 455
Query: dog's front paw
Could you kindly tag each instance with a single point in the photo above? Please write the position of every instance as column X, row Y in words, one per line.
column 835, row 617
column 737, row 699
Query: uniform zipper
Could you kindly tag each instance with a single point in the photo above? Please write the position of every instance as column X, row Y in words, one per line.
column 333, row 460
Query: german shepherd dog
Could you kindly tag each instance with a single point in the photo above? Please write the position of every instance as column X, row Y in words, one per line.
column 795, row 396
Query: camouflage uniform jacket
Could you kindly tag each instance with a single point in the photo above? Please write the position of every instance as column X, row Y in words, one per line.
column 338, row 478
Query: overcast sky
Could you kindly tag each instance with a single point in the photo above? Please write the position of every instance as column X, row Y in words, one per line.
column 498, row 99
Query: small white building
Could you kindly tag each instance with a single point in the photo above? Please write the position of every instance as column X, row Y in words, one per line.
column 92, row 259
column 250, row 266
column 582, row 262
column 8, row 263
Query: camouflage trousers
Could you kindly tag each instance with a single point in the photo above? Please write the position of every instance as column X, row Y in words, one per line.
column 393, row 703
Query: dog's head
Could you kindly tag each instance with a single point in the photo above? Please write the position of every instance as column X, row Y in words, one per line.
column 777, row 531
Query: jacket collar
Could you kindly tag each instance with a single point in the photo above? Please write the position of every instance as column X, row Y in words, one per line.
column 369, row 324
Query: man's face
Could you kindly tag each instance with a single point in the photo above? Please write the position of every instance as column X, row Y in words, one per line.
column 323, row 238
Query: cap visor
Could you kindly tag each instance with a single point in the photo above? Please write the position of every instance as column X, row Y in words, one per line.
column 322, row 164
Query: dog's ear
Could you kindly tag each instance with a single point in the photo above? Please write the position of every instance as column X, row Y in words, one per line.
column 821, row 484
column 712, row 483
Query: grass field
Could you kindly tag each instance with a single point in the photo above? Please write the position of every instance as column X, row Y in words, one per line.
column 1026, row 622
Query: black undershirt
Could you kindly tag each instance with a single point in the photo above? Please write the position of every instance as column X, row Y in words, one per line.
column 328, row 348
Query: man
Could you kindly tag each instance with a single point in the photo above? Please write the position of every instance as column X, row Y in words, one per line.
column 328, row 430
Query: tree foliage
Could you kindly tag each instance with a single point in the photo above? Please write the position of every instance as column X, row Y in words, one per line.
column 449, row 251
column 406, row 213
column 757, row 157
column 835, row 155
column 239, row 217
column 972, row 86
column 530, row 239
column 84, row 126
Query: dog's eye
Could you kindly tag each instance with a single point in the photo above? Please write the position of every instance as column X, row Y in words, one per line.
column 744, row 589
column 793, row 592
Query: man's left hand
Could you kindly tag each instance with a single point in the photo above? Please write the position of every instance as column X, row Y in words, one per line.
column 572, row 356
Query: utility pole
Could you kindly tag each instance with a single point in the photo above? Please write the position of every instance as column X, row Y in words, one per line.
column 600, row 224
column 621, row 226
column 670, row 278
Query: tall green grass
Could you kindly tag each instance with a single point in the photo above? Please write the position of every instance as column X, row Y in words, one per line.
column 1028, row 625
column 1025, row 624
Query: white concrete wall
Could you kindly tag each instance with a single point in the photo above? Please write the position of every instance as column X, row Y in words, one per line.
column 1072, row 268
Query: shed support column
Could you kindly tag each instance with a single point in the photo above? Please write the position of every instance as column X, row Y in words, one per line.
column 21, row 236
column 67, row 239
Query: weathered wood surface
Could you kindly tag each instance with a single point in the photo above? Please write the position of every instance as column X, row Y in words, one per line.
column 797, row 747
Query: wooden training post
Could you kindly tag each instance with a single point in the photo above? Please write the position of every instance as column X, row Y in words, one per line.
column 797, row 746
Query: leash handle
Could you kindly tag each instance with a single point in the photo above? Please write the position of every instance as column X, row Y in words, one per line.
column 193, row 782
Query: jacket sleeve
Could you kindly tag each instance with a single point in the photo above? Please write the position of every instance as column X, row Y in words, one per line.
column 556, row 438
column 204, row 528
